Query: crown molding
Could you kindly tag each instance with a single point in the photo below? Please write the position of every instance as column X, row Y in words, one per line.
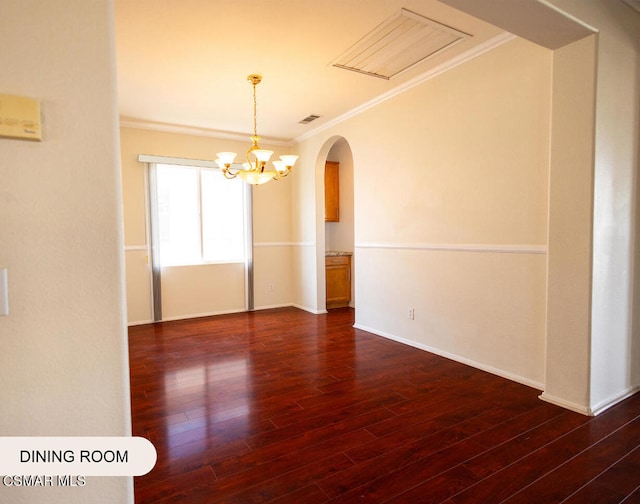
column 131, row 122
column 472, row 53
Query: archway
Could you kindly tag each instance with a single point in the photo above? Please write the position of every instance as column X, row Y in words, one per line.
column 337, row 235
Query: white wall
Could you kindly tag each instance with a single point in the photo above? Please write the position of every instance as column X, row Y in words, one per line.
column 63, row 364
column 615, row 349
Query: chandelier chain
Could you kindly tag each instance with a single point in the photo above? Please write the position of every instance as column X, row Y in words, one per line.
column 255, row 106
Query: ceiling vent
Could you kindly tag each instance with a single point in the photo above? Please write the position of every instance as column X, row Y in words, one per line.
column 309, row 119
column 400, row 42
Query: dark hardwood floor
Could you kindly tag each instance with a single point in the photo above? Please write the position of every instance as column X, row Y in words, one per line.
column 283, row 406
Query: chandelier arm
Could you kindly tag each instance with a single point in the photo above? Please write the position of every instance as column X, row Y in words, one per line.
column 229, row 175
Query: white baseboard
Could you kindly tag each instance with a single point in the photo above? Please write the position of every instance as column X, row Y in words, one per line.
column 139, row 322
column 462, row 360
column 199, row 315
column 226, row 312
column 310, row 310
column 611, row 401
column 272, row 307
column 563, row 403
column 590, row 410
column 292, row 305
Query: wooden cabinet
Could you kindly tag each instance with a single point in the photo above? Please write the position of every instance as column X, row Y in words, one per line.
column 331, row 192
column 338, row 279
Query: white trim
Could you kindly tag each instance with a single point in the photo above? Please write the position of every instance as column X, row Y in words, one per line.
column 139, row 322
column 272, row 307
column 463, row 360
column 130, row 122
column 206, row 314
column 460, row 247
column 213, row 314
column 284, row 244
column 200, row 163
column 558, row 401
column 472, row 53
column 310, row 310
column 613, row 400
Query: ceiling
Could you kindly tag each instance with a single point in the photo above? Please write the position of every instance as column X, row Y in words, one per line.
column 184, row 62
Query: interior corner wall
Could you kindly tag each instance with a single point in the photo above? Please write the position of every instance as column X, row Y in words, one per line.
column 613, row 344
column 615, row 357
column 64, row 360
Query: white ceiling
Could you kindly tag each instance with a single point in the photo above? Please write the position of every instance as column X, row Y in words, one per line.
column 185, row 62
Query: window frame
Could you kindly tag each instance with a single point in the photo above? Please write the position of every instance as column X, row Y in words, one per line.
column 201, row 245
column 149, row 161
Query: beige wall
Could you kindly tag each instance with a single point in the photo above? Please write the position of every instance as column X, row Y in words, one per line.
column 63, row 363
column 460, row 233
column 209, row 289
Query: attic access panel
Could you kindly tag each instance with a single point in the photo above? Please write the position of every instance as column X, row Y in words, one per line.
column 397, row 44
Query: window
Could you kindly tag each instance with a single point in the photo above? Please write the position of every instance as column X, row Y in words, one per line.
column 201, row 216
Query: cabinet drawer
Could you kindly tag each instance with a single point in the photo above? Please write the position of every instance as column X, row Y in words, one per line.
column 335, row 260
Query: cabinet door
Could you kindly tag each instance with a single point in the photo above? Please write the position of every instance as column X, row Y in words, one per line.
column 338, row 279
column 331, row 192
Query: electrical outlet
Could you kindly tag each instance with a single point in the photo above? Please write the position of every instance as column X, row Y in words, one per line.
column 270, row 287
column 411, row 314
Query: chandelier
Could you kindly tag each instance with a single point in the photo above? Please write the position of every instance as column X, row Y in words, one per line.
column 253, row 170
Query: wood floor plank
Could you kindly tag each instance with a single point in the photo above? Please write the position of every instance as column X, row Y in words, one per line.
column 235, row 491
column 287, row 407
column 612, row 485
column 306, row 445
column 458, row 478
column 581, row 469
column 418, row 462
column 508, row 482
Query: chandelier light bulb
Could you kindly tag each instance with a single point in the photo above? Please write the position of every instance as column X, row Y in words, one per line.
column 226, row 158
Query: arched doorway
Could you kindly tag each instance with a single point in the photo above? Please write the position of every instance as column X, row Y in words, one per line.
column 340, row 262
